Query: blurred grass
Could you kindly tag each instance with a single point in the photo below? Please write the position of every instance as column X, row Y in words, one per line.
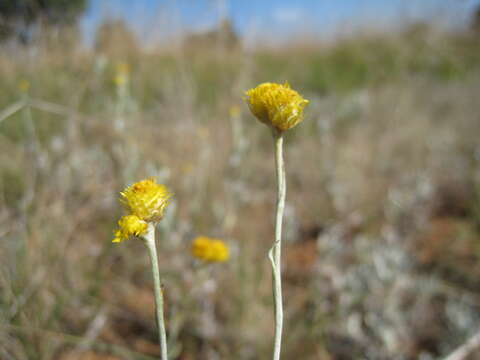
column 340, row 68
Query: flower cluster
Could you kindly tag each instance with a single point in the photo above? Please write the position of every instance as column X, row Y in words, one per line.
column 210, row 250
column 145, row 201
column 276, row 105
column 130, row 225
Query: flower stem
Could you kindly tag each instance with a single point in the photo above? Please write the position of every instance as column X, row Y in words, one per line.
column 276, row 250
column 150, row 242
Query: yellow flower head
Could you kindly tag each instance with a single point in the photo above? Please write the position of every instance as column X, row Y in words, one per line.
column 120, row 79
column 234, row 111
column 276, row 105
column 201, row 247
column 24, row 85
column 146, row 199
column 219, row 251
column 210, row 250
column 122, row 70
column 129, row 225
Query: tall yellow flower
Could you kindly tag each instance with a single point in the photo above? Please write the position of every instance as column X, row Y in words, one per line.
column 129, row 225
column 276, row 105
column 210, row 250
column 146, row 199
column 281, row 108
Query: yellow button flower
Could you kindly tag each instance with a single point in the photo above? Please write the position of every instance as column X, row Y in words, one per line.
column 234, row 111
column 24, row 85
column 129, row 225
column 201, row 247
column 219, row 251
column 121, row 74
column 276, row 105
column 146, row 199
column 120, row 79
column 210, row 250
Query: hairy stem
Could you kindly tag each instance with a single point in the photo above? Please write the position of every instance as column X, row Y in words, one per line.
column 275, row 253
column 152, row 250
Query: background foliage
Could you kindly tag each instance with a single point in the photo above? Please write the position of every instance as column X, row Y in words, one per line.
column 383, row 201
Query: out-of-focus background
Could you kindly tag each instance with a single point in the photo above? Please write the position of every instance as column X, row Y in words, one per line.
column 382, row 242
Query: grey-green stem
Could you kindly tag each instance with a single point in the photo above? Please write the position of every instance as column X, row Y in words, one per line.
column 275, row 253
column 152, row 250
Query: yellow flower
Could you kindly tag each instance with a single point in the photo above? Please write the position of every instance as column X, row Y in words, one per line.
column 201, row 247
column 146, row 199
column 276, row 105
column 234, row 111
column 23, row 85
column 209, row 250
column 122, row 70
column 129, row 225
column 120, row 79
column 219, row 251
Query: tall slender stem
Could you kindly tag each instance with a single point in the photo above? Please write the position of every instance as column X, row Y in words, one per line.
column 152, row 249
column 275, row 253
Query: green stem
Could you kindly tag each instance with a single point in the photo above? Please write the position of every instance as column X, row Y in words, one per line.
column 150, row 242
column 276, row 250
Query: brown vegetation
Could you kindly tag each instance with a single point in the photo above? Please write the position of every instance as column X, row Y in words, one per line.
column 382, row 217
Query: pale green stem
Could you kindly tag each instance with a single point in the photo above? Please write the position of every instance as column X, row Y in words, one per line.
column 152, row 249
column 276, row 250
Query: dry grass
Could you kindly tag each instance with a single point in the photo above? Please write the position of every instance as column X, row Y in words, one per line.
column 382, row 217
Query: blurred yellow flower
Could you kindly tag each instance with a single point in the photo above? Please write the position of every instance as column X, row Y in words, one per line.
column 219, row 251
column 129, row 225
column 201, row 247
column 276, row 105
column 120, row 79
column 121, row 73
column 23, row 85
column 210, row 250
column 234, row 111
column 146, row 199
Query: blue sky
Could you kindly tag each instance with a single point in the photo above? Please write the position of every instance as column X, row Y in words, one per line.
column 273, row 19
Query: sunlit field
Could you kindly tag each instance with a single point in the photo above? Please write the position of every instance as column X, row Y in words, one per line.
column 381, row 256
